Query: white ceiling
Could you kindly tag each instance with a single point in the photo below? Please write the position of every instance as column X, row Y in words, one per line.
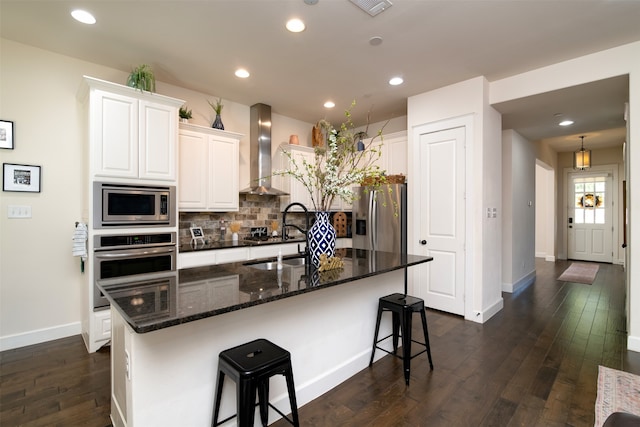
column 199, row 44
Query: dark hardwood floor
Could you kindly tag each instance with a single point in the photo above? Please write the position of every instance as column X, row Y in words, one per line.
column 533, row 364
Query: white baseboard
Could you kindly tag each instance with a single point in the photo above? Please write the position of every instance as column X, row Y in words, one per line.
column 550, row 258
column 483, row 316
column 520, row 284
column 39, row 336
column 633, row 343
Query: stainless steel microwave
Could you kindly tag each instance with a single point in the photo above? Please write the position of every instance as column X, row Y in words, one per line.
column 119, row 205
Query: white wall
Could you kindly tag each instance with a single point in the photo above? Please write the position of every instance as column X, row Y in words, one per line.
column 518, row 225
column 545, row 211
column 483, row 182
column 609, row 63
column 40, row 282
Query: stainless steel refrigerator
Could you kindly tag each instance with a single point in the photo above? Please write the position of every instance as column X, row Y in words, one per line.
column 380, row 218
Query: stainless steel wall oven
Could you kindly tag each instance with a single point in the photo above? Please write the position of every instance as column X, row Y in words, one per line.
column 131, row 255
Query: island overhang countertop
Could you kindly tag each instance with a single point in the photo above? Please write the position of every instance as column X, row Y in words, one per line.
column 157, row 301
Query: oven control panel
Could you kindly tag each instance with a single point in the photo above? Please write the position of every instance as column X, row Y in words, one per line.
column 112, row 241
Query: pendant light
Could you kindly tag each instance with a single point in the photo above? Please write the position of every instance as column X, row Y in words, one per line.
column 582, row 158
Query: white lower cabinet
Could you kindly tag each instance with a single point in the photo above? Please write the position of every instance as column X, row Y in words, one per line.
column 224, row 256
column 102, row 325
column 246, row 253
column 344, row 243
column 209, row 169
column 270, row 251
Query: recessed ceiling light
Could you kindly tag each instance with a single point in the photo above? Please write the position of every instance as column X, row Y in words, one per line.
column 375, row 41
column 395, row 81
column 566, row 123
column 242, row 73
column 329, row 104
column 83, row 16
column 295, row 25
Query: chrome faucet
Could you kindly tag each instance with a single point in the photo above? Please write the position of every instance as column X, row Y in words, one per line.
column 285, row 235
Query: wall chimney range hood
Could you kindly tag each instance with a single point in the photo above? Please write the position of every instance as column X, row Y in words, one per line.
column 260, row 153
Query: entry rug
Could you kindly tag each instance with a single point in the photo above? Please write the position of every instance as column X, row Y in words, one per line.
column 579, row 272
column 618, row 391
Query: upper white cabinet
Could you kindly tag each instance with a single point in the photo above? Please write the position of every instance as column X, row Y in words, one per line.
column 394, row 153
column 209, row 161
column 132, row 134
column 393, row 157
column 297, row 191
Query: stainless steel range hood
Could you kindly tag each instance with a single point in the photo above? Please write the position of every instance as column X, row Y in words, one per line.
column 260, row 153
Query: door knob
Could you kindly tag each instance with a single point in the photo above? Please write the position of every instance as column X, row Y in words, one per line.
column 422, row 242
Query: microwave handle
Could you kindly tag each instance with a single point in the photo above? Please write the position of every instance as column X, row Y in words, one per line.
column 127, row 254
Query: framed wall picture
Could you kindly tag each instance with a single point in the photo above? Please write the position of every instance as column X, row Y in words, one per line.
column 21, row 178
column 6, row 134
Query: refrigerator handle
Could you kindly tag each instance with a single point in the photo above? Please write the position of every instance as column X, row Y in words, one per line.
column 373, row 209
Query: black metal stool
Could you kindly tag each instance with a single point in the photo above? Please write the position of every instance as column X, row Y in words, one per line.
column 251, row 365
column 402, row 308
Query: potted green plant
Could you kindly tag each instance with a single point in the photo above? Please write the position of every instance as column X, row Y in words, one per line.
column 217, row 107
column 142, row 78
column 185, row 114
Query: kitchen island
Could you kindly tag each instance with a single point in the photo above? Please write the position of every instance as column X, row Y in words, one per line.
column 167, row 332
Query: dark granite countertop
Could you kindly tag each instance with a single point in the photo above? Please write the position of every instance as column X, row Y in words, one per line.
column 157, row 301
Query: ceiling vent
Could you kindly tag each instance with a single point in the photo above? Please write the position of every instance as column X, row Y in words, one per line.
column 372, row 7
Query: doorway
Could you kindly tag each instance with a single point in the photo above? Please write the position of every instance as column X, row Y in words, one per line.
column 590, row 216
column 441, row 217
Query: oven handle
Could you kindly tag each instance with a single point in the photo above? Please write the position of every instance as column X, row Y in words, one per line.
column 129, row 254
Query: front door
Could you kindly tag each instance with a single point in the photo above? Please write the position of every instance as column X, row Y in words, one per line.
column 442, row 219
column 590, row 217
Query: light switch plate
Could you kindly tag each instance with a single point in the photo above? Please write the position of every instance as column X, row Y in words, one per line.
column 15, row 211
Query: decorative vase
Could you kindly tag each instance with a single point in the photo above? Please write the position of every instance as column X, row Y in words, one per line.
column 217, row 123
column 322, row 238
column 183, row 120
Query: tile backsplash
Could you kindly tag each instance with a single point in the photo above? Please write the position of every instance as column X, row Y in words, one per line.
column 255, row 211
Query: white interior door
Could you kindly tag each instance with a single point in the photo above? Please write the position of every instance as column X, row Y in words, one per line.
column 590, row 217
column 442, row 219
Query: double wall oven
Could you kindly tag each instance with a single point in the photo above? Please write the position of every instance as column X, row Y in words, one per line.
column 119, row 258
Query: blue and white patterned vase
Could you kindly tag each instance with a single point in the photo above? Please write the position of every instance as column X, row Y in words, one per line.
column 322, row 238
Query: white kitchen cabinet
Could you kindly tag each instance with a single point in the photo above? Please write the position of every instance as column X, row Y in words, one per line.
column 240, row 254
column 393, row 156
column 394, row 153
column 341, row 205
column 271, row 251
column 131, row 138
column 132, row 134
column 225, row 256
column 209, row 161
column 297, row 191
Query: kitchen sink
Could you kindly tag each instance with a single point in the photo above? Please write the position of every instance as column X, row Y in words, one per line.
column 273, row 265
column 294, row 261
